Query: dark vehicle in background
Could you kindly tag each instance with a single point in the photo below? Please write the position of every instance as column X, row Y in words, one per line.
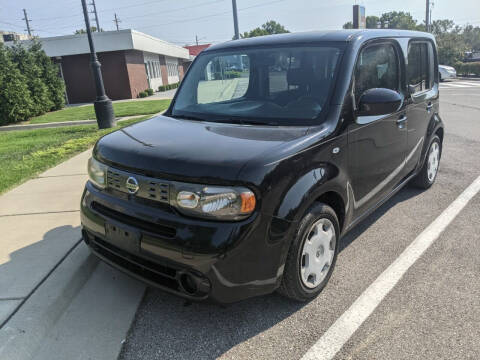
column 247, row 184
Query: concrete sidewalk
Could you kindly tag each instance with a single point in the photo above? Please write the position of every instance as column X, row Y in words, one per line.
column 45, row 268
column 40, row 223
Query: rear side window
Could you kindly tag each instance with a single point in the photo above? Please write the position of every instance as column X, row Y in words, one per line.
column 377, row 67
column 420, row 67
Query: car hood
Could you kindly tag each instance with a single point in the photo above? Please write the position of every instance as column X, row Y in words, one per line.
column 180, row 149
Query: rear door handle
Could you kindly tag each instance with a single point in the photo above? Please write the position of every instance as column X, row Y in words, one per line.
column 429, row 106
column 402, row 119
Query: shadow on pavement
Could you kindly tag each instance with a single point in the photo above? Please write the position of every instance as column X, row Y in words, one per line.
column 28, row 267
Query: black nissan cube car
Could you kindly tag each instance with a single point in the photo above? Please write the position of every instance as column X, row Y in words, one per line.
column 272, row 149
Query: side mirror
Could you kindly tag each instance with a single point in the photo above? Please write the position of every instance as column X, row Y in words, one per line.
column 379, row 101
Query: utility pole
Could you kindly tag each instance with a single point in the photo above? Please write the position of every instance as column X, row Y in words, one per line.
column 116, row 21
column 95, row 13
column 235, row 19
column 196, row 39
column 103, row 105
column 27, row 21
column 427, row 16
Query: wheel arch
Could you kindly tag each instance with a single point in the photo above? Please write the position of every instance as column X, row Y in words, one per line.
column 336, row 202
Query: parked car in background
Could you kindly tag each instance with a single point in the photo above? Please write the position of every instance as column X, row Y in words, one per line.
column 446, row 72
column 246, row 185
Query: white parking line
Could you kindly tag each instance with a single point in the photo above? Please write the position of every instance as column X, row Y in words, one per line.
column 346, row 325
column 459, row 84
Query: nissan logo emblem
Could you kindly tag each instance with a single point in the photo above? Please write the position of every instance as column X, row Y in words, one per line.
column 132, row 185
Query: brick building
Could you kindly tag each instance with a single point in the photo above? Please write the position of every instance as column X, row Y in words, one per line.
column 131, row 62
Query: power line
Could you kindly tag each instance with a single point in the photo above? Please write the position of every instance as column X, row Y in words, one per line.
column 10, row 24
column 172, row 10
column 211, row 15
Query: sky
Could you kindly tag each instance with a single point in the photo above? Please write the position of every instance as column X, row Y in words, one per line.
column 179, row 21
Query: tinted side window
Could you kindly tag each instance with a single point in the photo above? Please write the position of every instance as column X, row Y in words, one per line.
column 420, row 70
column 377, row 67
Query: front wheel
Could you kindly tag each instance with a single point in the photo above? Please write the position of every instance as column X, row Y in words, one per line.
column 312, row 254
column 427, row 175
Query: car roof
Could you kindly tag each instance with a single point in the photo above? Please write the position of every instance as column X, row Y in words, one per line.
column 320, row 36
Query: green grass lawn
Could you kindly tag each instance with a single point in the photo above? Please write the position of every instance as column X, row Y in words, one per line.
column 127, row 108
column 24, row 154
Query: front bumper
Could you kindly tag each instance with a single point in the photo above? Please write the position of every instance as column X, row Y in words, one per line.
column 193, row 258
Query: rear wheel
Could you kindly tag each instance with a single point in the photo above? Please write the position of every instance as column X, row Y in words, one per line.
column 312, row 254
column 427, row 175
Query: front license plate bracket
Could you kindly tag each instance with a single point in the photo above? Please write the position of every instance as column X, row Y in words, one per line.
column 123, row 236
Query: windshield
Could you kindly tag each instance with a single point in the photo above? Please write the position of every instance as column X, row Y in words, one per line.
column 284, row 85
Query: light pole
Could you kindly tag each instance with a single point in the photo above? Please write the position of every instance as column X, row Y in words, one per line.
column 235, row 19
column 427, row 16
column 103, row 105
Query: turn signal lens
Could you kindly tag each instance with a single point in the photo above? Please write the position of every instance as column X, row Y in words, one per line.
column 248, row 202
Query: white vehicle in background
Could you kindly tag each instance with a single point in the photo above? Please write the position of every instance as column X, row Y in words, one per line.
column 446, row 72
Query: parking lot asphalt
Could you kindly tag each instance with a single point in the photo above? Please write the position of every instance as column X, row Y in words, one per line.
column 433, row 311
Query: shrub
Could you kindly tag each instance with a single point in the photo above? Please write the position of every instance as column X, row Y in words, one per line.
column 466, row 69
column 26, row 63
column 16, row 103
column 231, row 74
column 50, row 76
column 161, row 88
column 149, row 92
column 142, row 94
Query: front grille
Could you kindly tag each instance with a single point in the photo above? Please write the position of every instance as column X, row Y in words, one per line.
column 147, row 226
column 149, row 188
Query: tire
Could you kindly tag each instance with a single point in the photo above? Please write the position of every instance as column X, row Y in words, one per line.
column 424, row 179
column 440, row 77
column 297, row 284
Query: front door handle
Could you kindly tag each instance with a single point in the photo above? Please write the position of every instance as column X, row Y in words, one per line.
column 401, row 121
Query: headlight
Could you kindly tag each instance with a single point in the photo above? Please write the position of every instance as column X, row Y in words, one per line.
column 97, row 172
column 222, row 203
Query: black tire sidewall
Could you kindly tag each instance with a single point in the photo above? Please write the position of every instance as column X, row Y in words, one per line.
column 435, row 139
column 313, row 214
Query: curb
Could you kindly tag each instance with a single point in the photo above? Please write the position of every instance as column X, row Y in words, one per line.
column 62, row 123
column 82, row 309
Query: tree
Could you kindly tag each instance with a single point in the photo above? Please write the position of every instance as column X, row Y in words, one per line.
column 26, row 63
column 395, row 19
column 50, row 76
column 399, row 20
column 269, row 28
column 471, row 36
column 83, row 31
column 371, row 23
column 442, row 26
column 15, row 99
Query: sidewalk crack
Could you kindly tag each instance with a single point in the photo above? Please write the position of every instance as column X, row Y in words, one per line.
column 40, row 213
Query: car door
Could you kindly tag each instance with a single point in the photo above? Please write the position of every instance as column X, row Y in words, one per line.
column 376, row 144
column 422, row 102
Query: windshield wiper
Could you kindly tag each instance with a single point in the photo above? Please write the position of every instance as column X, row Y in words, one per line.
column 249, row 121
column 188, row 117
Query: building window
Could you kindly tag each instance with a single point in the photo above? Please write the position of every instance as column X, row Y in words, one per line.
column 172, row 68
